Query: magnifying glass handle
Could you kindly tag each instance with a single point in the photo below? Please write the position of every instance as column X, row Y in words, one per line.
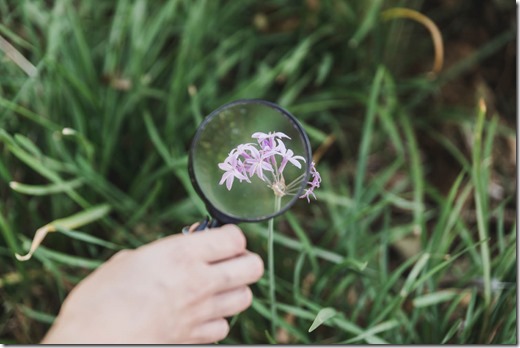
column 207, row 223
column 204, row 224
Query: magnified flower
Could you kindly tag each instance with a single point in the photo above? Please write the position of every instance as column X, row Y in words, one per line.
column 267, row 141
column 232, row 167
column 267, row 160
column 257, row 164
column 242, row 149
column 271, row 135
column 287, row 156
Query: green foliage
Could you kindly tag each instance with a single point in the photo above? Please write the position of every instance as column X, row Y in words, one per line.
column 389, row 253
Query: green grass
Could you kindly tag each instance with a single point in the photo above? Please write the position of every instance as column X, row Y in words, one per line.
column 405, row 243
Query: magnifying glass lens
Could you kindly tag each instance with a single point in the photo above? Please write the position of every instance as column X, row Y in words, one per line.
column 250, row 160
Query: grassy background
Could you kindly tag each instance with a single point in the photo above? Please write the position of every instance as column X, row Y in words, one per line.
column 413, row 236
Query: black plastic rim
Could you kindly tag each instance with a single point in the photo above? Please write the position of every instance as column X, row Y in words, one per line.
column 216, row 213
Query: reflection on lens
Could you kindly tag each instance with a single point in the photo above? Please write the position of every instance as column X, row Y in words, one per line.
column 250, row 160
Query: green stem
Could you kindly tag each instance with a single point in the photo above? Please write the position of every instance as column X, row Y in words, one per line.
column 270, row 266
column 481, row 206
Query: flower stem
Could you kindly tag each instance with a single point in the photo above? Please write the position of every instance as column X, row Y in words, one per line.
column 270, row 265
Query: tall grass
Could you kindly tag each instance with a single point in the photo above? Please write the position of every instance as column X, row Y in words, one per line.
column 385, row 255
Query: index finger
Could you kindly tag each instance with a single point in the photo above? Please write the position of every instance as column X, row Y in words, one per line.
column 218, row 243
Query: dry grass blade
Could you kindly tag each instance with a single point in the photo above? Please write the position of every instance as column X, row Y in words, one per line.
column 429, row 24
column 18, row 58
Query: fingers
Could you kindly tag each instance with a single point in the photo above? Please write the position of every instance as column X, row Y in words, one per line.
column 212, row 312
column 231, row 302
column 219, row 243
column 236, row 272
column 210, row 331
column 210, row 246
column 224, row 304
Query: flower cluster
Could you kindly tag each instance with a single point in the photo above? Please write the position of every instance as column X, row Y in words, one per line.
column 266, row 160
column 316, row 180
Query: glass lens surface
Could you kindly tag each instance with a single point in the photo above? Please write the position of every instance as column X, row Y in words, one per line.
column 250, row 197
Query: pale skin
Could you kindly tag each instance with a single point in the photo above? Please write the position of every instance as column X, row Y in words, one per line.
column 178, row 289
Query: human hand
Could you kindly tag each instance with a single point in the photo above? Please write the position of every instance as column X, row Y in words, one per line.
column 178, row 289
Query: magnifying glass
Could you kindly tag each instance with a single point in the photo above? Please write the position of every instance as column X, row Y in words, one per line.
column 249, row 161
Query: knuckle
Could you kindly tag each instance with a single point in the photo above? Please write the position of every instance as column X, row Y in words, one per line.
column 197, row 288
column 183, row 248
column 226, row 277
column 177, row 247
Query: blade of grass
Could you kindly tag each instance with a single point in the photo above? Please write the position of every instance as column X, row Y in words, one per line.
column 366, row 139
column 385, row 326
column 77, row 220
column 87, row 238
column 306, row 243
column 480, row 201
column 10, row 239
column 439, row 242
column 340, row 322
column 410, row 281
column 148, row 202
column 417, row 179
column 367, row 133
column 37, row 165
column 65, row 259
column 456, row 327
column 297, row 276
column 42, row 190
column 433, row 298
column 323, row 315
column 368, row 22
column 11, row 106
column 37, row 315
column 296, row 245
column 261, row 309
column 156, row 140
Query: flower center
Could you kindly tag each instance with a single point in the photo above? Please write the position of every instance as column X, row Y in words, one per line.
column 279, row 187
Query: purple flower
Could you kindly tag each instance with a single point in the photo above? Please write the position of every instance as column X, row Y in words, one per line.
column 307, row 194
column 231, row 166
column 316, row 181
column 316, row 177
column 263, row 136
column 257, row 164
column 267, row 141
column 249, row 159
column 287, row 156
column 242, row 149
